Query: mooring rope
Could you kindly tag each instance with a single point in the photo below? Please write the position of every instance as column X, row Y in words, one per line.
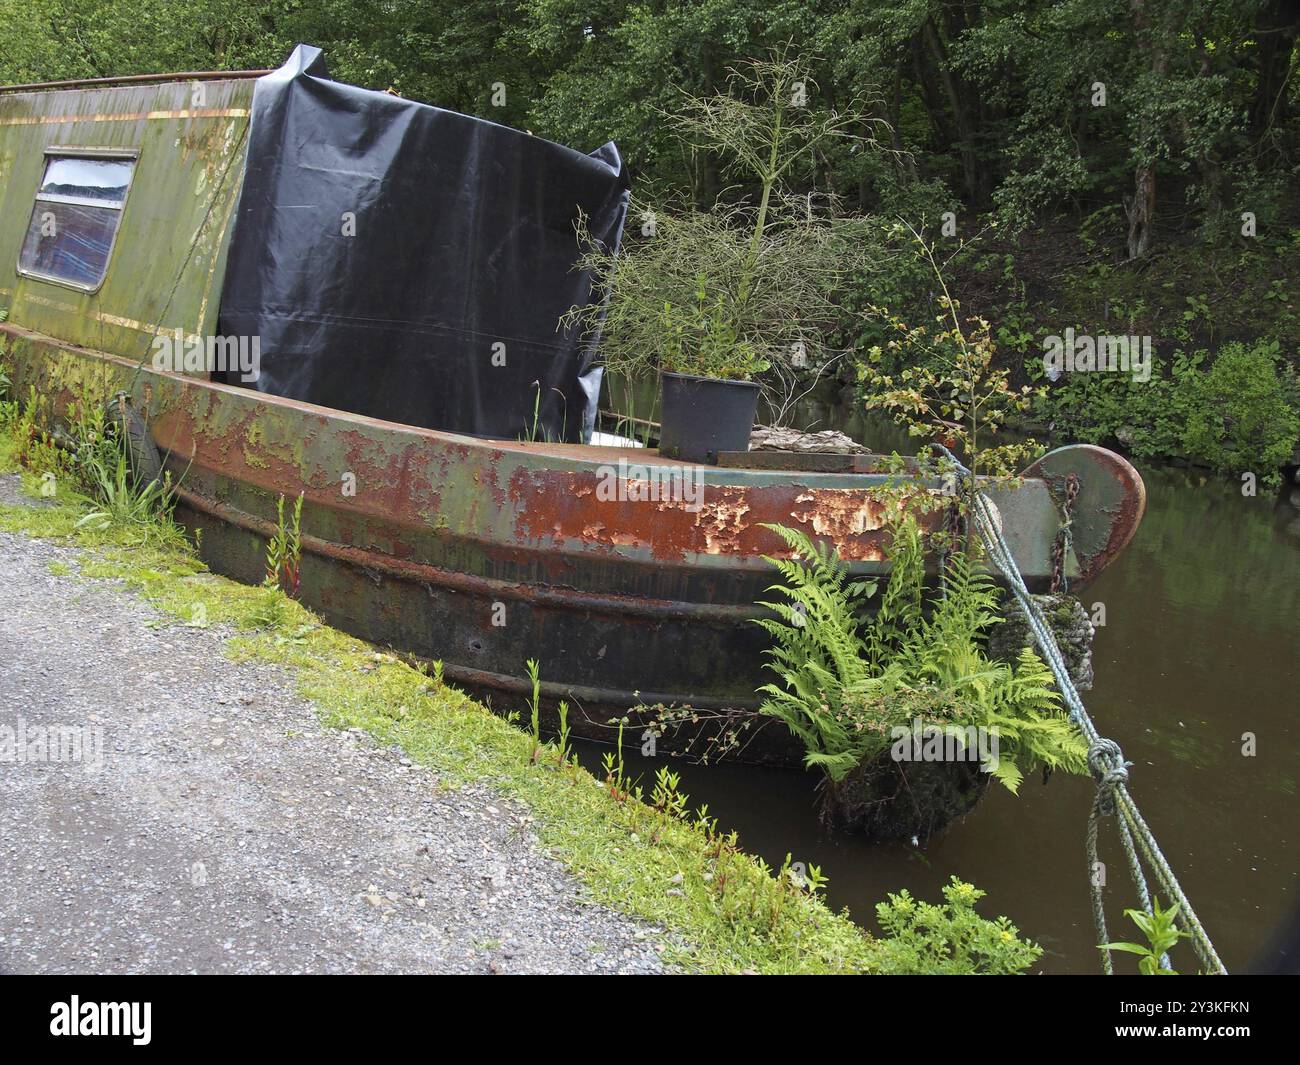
column 1105, row 759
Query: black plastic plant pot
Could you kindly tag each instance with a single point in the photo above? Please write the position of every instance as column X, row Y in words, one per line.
column 703, row 416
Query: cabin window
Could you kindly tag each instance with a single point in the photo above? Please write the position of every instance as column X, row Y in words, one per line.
column 78, row 209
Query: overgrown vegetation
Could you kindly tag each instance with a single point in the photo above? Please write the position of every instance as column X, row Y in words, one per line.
column 851, row 687
column 89, row 456
column 745, row 288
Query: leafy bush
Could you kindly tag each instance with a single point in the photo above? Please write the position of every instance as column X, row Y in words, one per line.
column 1234, row 417
column 1241, row 419
column 1148, row 418
column 950, row 939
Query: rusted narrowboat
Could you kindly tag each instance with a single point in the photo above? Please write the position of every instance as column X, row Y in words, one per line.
column 413, row 384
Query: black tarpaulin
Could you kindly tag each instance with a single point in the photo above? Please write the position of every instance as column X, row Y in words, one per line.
column 409, row 263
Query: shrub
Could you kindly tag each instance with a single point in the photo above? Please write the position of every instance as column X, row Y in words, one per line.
column 1238, row 415
column 1241, row 419
column 949, row 939
column 745, row 289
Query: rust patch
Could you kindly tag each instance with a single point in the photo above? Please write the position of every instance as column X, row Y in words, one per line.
column 569, row 509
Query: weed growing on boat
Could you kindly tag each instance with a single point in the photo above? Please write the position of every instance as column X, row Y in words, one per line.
column 536, row 431
column 284, row 550
column 628, row 421
column 8, row 408
column 846, row 685
column 1162, row 934
column 706, row 736
column 274, row 606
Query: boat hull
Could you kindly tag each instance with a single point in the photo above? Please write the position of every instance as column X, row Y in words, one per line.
column 484, row 554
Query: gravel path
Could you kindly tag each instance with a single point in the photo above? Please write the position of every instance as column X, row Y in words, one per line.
column 225, row 830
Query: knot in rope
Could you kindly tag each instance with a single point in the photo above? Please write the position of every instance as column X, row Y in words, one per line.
column 1109, row 770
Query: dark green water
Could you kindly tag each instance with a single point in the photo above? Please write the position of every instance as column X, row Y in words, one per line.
column 1201, row 645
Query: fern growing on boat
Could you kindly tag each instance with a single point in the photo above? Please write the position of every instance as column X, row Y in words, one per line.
column 1024, row 712
column 846, row 682
column 901, row 609
column 817, row 651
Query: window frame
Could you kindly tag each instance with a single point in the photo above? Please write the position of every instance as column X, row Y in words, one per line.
column 67, row 151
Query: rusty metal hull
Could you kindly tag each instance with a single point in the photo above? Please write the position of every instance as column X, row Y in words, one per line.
column 483, row 554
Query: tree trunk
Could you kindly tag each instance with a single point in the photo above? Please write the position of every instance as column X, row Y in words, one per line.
column 960, row 102
column 1142, row 207
column 944, row 133
column 708, row 180
column 1141, row 211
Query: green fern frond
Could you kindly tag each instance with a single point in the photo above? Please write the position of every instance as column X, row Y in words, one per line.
column 842, row 681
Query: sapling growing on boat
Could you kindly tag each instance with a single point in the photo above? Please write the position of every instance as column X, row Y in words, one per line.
column 950, row 391
column 284, row 549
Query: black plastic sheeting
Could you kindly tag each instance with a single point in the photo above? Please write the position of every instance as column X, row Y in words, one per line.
column 442, row 309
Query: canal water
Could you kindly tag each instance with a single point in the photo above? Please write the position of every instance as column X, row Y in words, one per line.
column 1199, row 653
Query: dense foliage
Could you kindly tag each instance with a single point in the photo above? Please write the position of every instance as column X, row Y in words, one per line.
column 1235, row 416
column 1169, row 106
column 846, row 683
